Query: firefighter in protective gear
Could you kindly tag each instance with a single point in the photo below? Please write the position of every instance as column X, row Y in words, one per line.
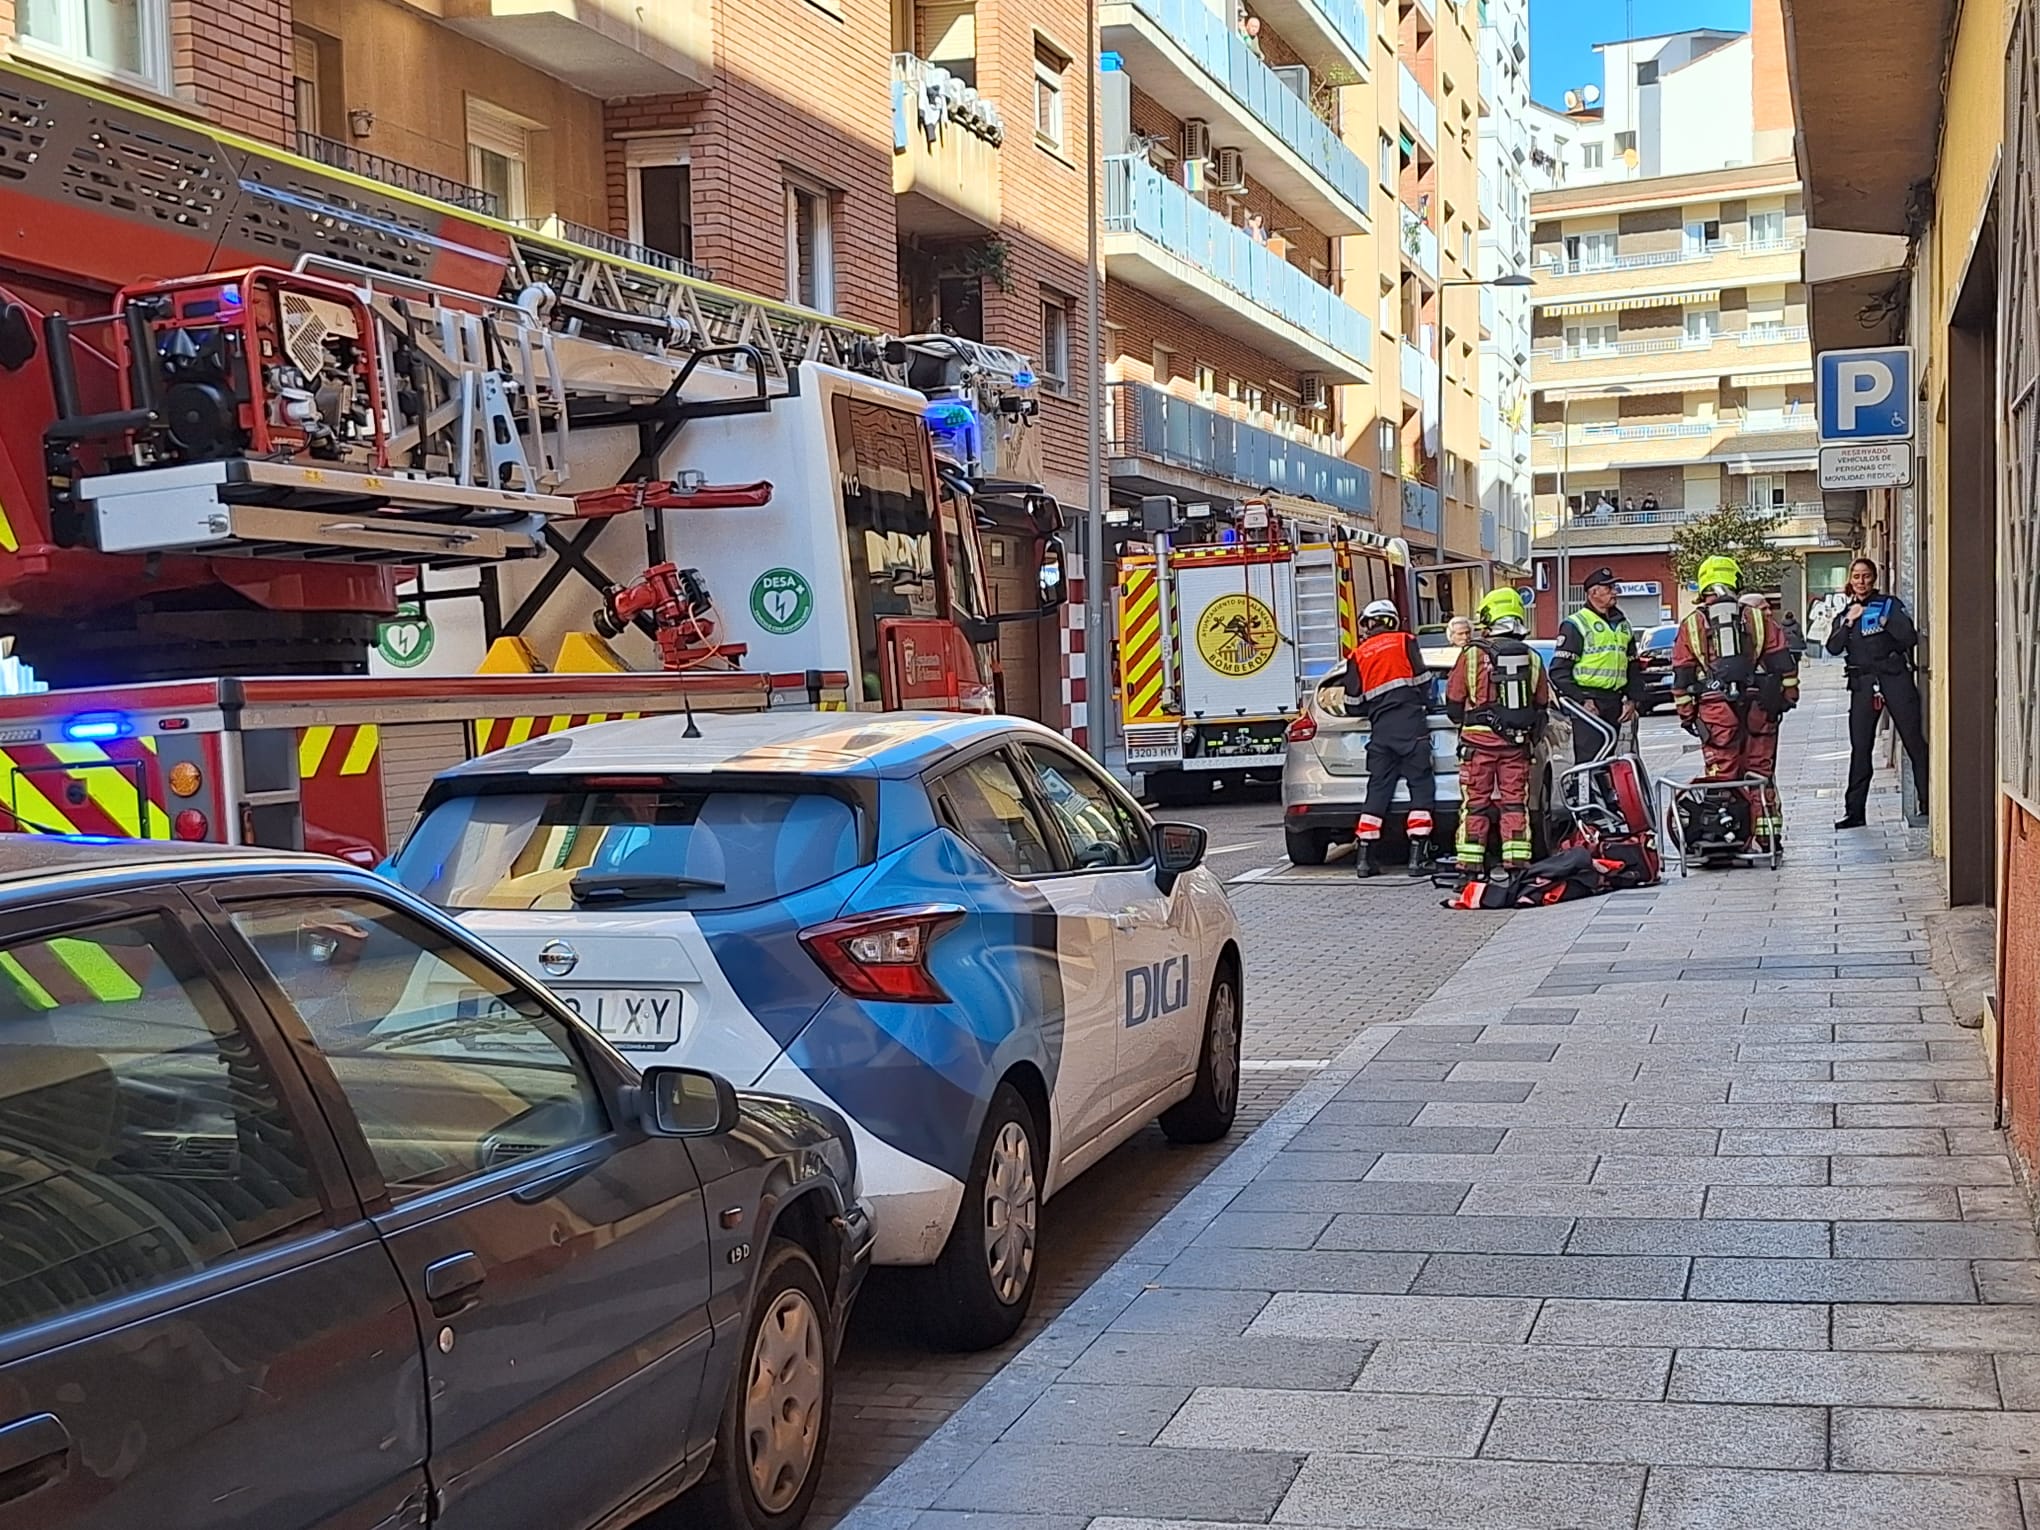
column 1500, row 696
column 1594, row 667
column 1733, row 679
column 1386, row 683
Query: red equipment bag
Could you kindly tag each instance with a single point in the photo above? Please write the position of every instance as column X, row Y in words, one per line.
column 1563, row 878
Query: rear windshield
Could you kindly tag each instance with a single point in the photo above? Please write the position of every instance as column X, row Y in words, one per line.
column 591, row 847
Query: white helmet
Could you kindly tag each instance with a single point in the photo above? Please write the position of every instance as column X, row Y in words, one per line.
column 1381, row 611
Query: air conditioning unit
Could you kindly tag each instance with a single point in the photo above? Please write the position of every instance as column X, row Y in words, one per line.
column 1229, row 170
column 1196, row 139
column 1297, row 78
column 1313, row 394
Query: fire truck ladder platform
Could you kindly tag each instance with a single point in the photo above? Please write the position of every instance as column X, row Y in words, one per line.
column 251, row 508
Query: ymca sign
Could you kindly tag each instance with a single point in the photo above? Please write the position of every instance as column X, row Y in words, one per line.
column 1866, row 395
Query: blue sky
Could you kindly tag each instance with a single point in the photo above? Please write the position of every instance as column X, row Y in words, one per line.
column 1563, row 34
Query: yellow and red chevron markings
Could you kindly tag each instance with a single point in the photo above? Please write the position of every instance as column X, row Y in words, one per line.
column 1143, row 667
column 493, row 733
column 340, row 749
column 85, row 789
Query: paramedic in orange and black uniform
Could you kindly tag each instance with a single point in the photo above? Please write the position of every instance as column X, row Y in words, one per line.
column 1387, row 683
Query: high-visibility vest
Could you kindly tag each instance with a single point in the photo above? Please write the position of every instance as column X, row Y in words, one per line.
column 1603, row 664
column 1383, row 665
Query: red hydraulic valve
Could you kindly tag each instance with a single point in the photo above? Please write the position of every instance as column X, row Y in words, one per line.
column 667, row 494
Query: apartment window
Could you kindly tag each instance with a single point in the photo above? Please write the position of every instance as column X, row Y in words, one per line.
column 1254, row 400
column 661, row 195
column 1591, row 252
column 1702, row 235
column 1594, row 155
column 1049, row 67
column 1767, row 228
column 1647, row 73
column 499, row 156
column 810, row 247
column 306, row 108
column 1162, row 363
column 121, row 37
column 1387, row 160
column 1207, row 381
column 1284, row 410
column 1625, row 143
column 1385, row 446
column 1590, row 339
column 1703, row 325
column 1055, row 341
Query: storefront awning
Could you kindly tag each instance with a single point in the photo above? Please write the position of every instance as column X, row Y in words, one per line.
column 1684, row 298
column 1769, row 379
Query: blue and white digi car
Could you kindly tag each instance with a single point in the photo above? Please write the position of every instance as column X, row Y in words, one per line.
column 958, row 931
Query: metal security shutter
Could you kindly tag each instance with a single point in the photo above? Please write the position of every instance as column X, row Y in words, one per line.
column 2019, row 351
column 412, row 754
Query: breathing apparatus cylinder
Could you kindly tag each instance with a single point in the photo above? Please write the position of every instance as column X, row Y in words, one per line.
column 1725, row 620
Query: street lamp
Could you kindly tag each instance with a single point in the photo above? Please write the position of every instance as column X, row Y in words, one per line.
column 1513, row 279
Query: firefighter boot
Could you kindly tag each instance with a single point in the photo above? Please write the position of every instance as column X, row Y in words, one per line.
column 1364, row 863
column 1420, row 856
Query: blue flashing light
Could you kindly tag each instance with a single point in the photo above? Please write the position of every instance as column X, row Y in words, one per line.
column 951, row 416
column 1023, row 378
column 1110, row 63
column 93, row 727
column 231, row 296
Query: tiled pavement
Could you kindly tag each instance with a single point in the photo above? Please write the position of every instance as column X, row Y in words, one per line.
column 1678, row 1209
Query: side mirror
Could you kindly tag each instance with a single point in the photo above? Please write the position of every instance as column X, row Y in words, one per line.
column 1054, row 589
column 1179, row 847
column 686, row 1102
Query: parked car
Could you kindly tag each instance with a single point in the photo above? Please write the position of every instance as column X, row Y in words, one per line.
column 316, row 1212
column 959, row 931
column 1654, row 656
column 1324, row 770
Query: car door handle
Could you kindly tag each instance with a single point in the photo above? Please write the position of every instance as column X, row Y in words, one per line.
column 34, row 1452
column 1126, row 919
column 454, row 1284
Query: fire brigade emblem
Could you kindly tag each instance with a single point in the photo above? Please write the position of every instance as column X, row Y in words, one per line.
column 1236, row 635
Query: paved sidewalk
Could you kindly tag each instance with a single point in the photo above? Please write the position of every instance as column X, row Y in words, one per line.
column 1679, row 1209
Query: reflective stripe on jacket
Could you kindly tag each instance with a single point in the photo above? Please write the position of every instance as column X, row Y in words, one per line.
column 1603, row 664
column 1383, row 665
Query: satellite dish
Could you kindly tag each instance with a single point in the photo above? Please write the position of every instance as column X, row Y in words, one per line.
column 1593, row 95
column 1572, row 100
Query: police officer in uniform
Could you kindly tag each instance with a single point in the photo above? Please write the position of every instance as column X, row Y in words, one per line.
column 1876, row 635
column 1387, row 683
column 1499, row 695
column 1594, row 666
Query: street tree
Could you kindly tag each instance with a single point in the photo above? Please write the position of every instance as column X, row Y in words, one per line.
column 1735, row 531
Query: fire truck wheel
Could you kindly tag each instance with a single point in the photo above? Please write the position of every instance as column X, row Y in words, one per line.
column 1307, row 847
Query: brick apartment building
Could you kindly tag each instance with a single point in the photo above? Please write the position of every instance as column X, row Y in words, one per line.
column 1284, row 189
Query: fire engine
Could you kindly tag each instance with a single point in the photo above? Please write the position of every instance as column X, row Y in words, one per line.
column 260, row 418
column 1222, row 626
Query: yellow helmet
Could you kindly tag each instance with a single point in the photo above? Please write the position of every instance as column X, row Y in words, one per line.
column 1500, row 605
column 1719, row 571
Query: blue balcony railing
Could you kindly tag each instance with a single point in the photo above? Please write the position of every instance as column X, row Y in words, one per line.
column 1146, row 422
column 1223, row 54
column 1419, row 507
column 1487, row 531
column 1139, row 199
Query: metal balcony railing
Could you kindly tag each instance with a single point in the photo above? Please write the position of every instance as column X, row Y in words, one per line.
column 1664, row 345
column 1147, row 422
column 557, row 227
column 336, row 155
column 1139, row 199
column 1558, row 265
column 1600, row 517
column 1222, row 53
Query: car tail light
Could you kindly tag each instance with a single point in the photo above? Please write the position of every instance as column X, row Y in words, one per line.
column 883, row 955
column 190, row 824
column 1304, row 729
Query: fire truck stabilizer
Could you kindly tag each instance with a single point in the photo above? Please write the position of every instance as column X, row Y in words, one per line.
column 1219, row 641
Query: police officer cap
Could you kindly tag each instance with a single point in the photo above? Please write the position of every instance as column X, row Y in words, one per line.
column 1600, row 576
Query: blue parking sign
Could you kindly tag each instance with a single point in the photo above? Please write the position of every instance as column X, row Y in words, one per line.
column 1866, row 395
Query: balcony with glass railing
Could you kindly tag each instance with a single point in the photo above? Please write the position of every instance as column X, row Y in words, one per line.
column 1419, row 240
column 1636, row 443
column 1718, row 263
column 1150, row 426
column 1185, row 56
column 1326, row 33
column 1420, row 376
column 1597, row 526
column 1419, row 507
column 1418, row 109
column 946, row 141
column 1163, row 240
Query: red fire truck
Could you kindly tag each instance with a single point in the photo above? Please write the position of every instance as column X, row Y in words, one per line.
column 246, row 401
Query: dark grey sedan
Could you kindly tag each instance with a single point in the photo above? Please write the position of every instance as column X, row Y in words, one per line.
column 316, row 1212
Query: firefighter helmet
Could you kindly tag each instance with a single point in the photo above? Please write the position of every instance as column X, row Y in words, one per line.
column 1380, row 616
column 1719, row 575
column 1499, row 606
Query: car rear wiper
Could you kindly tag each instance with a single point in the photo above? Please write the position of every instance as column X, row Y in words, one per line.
column 635, row 886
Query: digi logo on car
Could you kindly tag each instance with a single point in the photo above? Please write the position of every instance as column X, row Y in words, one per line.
column 1161, row 988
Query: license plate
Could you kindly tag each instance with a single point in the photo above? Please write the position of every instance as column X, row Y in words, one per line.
column 629, row 1018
